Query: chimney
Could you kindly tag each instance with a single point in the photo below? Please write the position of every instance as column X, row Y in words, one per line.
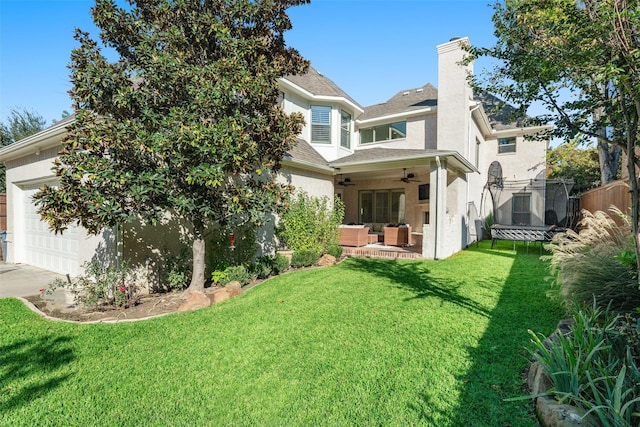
column 454, row 96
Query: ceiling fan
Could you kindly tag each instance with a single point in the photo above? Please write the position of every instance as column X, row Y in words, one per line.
column 408, row 177
column 345, row 182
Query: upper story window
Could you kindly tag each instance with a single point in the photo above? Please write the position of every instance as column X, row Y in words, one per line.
column 320, row 124
column 383, row 132
column 507, row 145
column 345, row 129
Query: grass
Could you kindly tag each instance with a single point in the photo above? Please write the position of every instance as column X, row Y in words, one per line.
column 366, row 342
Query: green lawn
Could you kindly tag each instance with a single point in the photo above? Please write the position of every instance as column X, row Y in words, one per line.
column 366, row 342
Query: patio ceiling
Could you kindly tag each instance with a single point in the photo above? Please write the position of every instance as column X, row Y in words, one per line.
column 375, row 160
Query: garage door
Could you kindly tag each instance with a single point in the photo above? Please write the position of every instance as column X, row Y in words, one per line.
column 41, row 247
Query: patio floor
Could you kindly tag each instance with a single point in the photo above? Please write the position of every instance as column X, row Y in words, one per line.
column 380, row 251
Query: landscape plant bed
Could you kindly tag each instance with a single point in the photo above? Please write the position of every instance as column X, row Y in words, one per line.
column 143, row 307
column 364, row 342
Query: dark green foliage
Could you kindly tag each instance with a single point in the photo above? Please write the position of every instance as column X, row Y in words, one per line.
column 335, row 250
column 263, row 267
column 280, row 263
column 186, row 121
column 303, row 258
column 178, row 271
column 20, row 124
column 220, row 255
column 595, row 366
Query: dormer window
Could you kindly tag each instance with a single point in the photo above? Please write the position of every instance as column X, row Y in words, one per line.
column 320, row 124
column 345, row 129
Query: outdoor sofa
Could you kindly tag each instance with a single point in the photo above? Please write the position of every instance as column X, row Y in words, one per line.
column 355, row 235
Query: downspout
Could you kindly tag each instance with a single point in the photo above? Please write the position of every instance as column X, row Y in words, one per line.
column 435, row 235
column 471, row 148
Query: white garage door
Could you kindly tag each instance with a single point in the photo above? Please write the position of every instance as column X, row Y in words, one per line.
column 41, row 247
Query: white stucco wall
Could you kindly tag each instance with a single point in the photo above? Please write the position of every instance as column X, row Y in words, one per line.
column 294, row 103
column 522, row 171
column 421, row 133
column 35, row 169
column 454, row 96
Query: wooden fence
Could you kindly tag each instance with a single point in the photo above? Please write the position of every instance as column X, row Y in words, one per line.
column 602, row 198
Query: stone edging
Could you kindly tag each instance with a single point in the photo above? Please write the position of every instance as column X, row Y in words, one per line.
column 35, row 309
column 550, row 412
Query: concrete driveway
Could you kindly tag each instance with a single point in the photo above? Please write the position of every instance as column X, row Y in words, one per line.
column 19, row 280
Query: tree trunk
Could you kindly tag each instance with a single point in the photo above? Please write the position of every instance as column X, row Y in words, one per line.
column 198, row 248
column 635, row 193
column 609, row 156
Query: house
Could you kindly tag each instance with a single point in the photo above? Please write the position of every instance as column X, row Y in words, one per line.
column 426, row 158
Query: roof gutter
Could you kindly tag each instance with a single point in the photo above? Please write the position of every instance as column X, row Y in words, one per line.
column 304, row 165
column 357, row 166
column 47, row 138
column 404, row 114
column 321, row 98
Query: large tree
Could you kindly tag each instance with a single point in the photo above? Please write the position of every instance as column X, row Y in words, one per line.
column 20, row 124
column 570, row 161
column 580, row 59
column 185, row 123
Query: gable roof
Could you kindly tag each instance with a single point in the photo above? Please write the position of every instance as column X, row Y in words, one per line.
column 403, row 102
column 500, row 113
column 318, row 84
column 304, row 152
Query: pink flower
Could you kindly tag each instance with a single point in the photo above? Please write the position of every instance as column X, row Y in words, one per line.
column 122, row 289
column 41, row 290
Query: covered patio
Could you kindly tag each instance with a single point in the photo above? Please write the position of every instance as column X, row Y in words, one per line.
column 414, row 200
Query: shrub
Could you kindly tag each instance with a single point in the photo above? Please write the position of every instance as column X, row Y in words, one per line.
column 280, row 263
column 263, row 267
column 102, row 286
column 596, row 263
column 219, row 277
column 304, row 258
column 179, row 271
column 238, row 273
column 595, row 365
column 335, row 250
column 311, row 224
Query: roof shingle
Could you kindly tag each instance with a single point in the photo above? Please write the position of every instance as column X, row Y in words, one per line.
column 403, row 102
column 318, row 84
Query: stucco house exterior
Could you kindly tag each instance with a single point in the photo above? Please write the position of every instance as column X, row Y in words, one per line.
column 420, row 159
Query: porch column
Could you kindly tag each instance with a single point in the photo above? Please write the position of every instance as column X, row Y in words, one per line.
column 434, row 233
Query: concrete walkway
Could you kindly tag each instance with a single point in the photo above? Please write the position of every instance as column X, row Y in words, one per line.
column 20, row 280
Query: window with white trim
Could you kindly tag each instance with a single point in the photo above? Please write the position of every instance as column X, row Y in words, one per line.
column 345, row 129
column 320, row 124
column 507, row 145
column 521, row 209
column 386, row 132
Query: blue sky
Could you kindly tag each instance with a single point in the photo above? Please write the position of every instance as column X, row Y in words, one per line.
column 371, row 48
